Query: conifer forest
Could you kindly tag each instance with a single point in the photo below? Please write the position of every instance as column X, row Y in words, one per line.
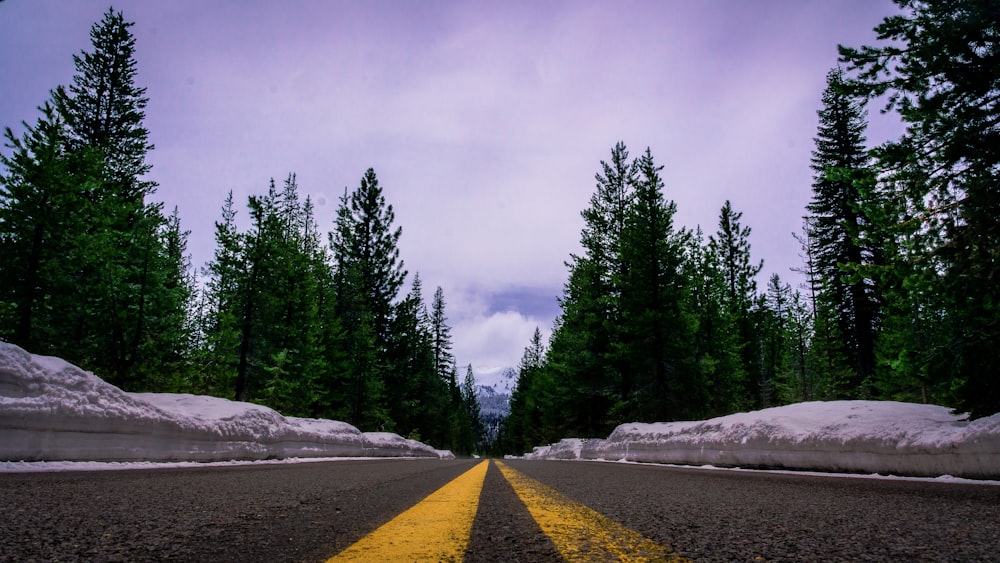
column 900, row 248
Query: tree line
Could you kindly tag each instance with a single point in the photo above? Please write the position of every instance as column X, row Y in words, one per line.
column 899, row 243
column 658, row 322
column 310, row 324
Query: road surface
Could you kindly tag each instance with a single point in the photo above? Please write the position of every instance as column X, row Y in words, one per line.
column 521, row 511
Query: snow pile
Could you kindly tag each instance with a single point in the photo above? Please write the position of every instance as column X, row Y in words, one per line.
column 567, row 448
column 883, row 437
column 51, row 410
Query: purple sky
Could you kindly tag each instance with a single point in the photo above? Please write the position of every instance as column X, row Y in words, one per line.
column 485, row 121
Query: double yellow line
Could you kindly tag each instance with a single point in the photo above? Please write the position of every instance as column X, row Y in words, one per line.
column 438, row 528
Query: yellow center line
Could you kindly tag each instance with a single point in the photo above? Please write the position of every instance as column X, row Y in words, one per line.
column 579, row 532
column 435, row 529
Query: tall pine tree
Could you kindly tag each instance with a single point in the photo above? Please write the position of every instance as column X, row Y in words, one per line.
column 937, row 63
column 731, row 247
column 369, row 274
column 842, row 235
column 718, row 343
column 441, row 341
column 43, row 226
column 657, row 342
column 590, row 375
column 119, row 281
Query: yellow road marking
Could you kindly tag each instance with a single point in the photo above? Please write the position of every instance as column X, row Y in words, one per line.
column 579, row 532
column 435, row 529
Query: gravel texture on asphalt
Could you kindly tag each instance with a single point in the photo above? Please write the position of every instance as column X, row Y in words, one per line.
column 310, row 511
column 751, row 516
column 503, row 529
column 274, row 513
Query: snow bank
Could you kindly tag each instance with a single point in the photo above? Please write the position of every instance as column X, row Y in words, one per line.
column 567, row 448
column 51, row 410
column 840, row 436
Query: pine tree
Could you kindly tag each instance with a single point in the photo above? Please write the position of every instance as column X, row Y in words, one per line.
column 365, row 240
column 841, row 234
column 717, row 341
column 529, row 402
column 602, row 238
column 218, row 323
column 731, row 247
column 799, row 368
column 776, row 344
column 473, row 411
column 418, row 397
column 369, row 274
column 587, row 372
column 271, row 331
column 171, row 322
column 119, row 279
column 658, row 328
column 823, row 359
column 42, row 210
column 937, row 65
column 291, row 329
column 334, row 360
column 441, row 340
column 915, row 314
column 252, row 307
column 104, row 109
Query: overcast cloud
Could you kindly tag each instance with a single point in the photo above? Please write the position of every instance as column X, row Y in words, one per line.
column 485, row 121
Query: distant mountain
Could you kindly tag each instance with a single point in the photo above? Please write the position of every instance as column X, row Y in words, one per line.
column 492, row 401
column 494, row 406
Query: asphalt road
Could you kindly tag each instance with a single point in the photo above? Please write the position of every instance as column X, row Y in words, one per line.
column 311, row 511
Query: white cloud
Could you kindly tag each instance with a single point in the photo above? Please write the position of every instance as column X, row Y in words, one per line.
column 485, row 124
column 490, row 340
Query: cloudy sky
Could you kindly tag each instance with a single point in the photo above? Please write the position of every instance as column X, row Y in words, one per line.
column 484, row 121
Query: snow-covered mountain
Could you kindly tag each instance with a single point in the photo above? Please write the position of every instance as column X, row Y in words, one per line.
column 494, row 406
column 493, row 402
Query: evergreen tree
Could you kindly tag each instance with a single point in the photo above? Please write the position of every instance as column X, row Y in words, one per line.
column 418, row 398
column 801, row 380
column 369, row 274
column 270, row 329
column 602, row 237
column 776, row 345
column 473, row 411
column 717, row 340
column 824, row 362
column 366, row 241
column 168, row 351
column 915, row 317
column 42, row 229
column 292, row 331
column 586, row 371
column 218, row 322
column 842, row 237
column 523, row 427
column 104, row 109
column 252, row 309
column 657, row 342
column 731, row 247
column 441, row 340
column 120, row 278
column 937, row 65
